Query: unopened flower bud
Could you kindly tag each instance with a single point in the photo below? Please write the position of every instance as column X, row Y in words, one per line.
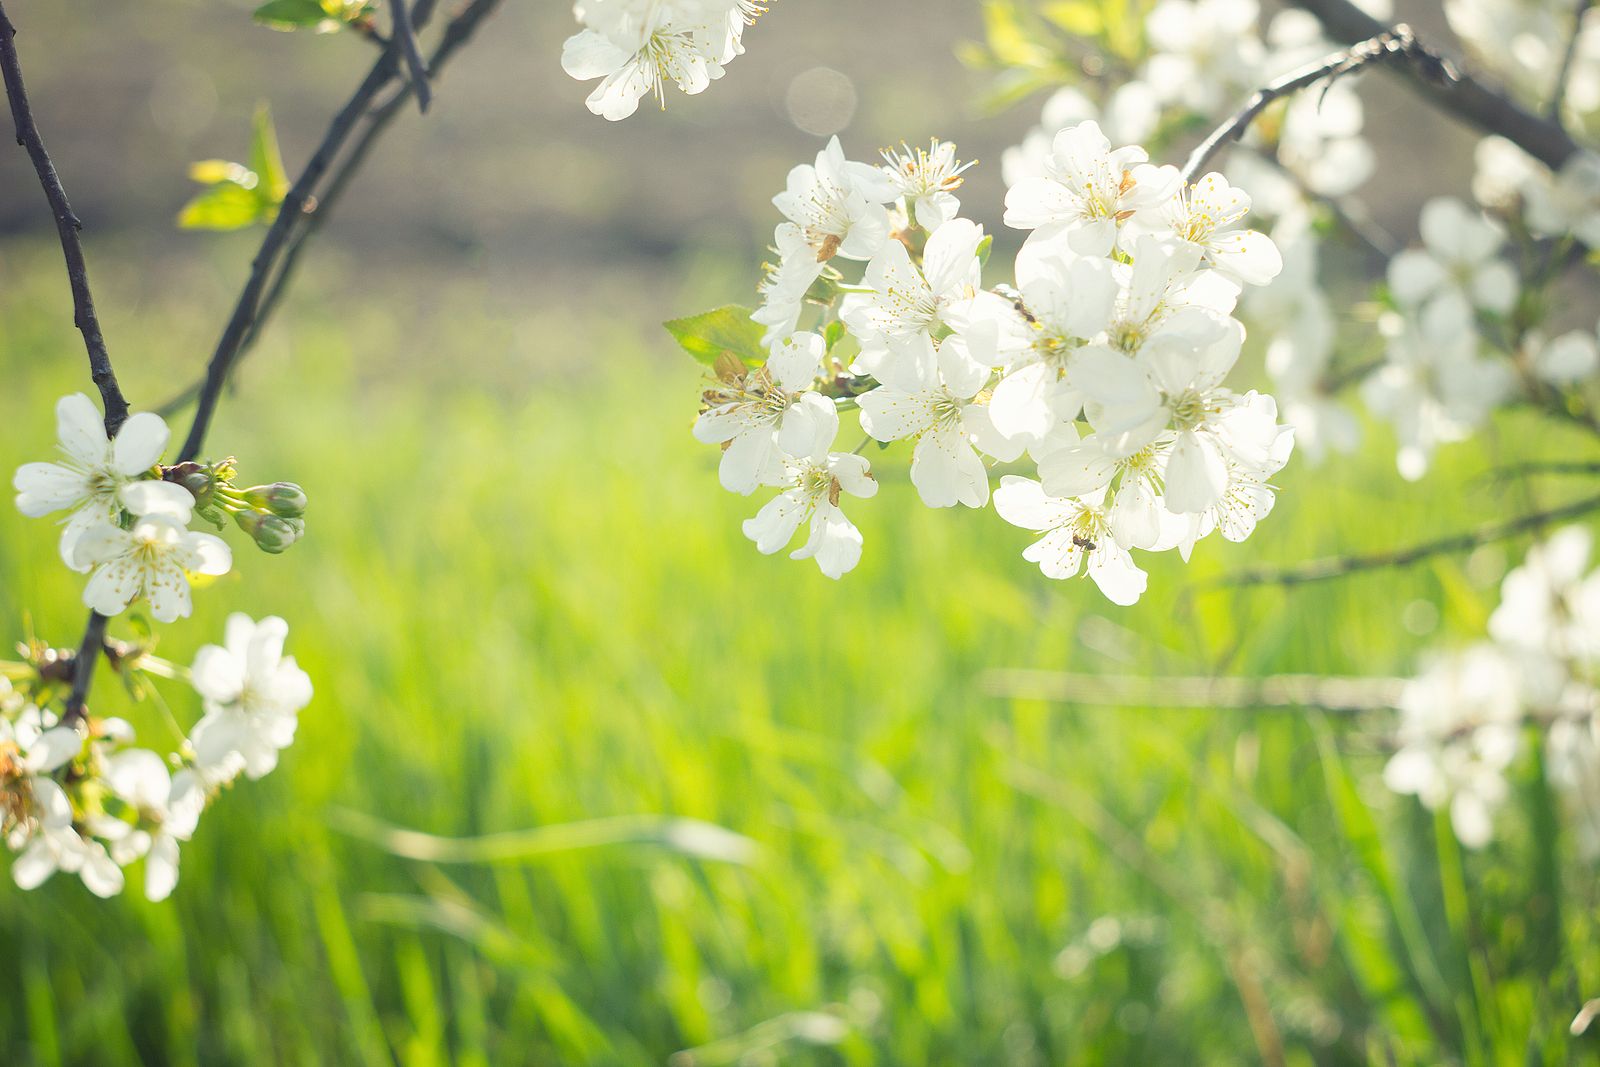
column 195, row 478
column 271, row 533
column 284, row 499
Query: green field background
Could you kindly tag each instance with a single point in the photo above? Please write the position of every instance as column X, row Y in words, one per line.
column 757, row 816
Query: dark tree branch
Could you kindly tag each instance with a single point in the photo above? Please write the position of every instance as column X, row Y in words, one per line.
column 1558, row 94
column 1383, row 46
column 67, row 227
column 302, row 211
column 84, row 317
column 406, row 36
column 457, row 33
column 1339, row 566
column 1438, row 81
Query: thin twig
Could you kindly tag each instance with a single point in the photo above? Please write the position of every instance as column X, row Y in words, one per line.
column 1558, row 95
column 1338, row 566
column 83, row 664
column 309, row 220
column 1441, row 83
column 406, row 35
column 67, row 227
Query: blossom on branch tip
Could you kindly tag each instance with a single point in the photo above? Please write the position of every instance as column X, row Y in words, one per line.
column 153, row 559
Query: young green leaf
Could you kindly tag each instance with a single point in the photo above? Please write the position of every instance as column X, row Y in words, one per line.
column 290, row 14
column 266, row 160
column 726, row 329
column 225, row 206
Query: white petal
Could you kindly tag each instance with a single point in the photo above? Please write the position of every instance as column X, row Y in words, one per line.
column 152, row 497
column 36, row 864
column 139, row 443
column 161, row 868
column 82, row 430
column 46, row 487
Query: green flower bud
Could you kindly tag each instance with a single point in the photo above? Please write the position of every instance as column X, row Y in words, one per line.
column 271, row 533
column 199, row 480
column 284, row 499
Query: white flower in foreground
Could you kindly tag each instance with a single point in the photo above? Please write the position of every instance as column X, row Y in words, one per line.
column 945, row 423
column 909, row 305
column 1088, row 190
column 1075, row 531
column 92, row 469
column 1456, row 270
column 635, row 49
column 927, row 179
column 812, row 494
column 761, row 415
column 154, row 558
column 253, row 696
column 1458, row 733
column 1206, row 215
column 835, row 208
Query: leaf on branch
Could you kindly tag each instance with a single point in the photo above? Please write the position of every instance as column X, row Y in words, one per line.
column 324, row 16
column 727, row 329
column 239, row 196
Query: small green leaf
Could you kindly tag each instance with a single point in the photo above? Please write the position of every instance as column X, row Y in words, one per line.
column 727, row 329
column 290, row 14
column 984, row 247
column 266, row 160
column 227, row 206
column 833, row 334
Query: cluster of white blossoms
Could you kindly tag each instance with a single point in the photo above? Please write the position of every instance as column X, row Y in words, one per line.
column 1104, row 364
column 1467, row 717
column 635, row 47
column 1461, row 323
column 76, row 794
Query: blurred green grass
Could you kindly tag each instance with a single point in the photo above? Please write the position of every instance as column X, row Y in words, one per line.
column 526, row 603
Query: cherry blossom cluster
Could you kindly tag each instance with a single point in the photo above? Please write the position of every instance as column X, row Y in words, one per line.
column 76, row 793
column 1460, row 319
column 1467, row 716
column 1104, row 364
column 635, row 47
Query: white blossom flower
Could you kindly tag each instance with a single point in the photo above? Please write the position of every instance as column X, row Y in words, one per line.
column 906, row 306
column 92, row 469
column 1565, row 360
column 1569, row 205
column 1458, row 733
column 812, row 493
column 1206, row 215
column 635, row 48
column 1074, row 531
column 946, row 423
column 39, row 816
column 169, row 804
column 253, row 696
column 153, row 559
column 927, row 180
column 834, row 208
column 1456, row 270
column 1203, row 51
column 763, row 414
column 1066, row 300
column 1088, row 190
column 1434, row 390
